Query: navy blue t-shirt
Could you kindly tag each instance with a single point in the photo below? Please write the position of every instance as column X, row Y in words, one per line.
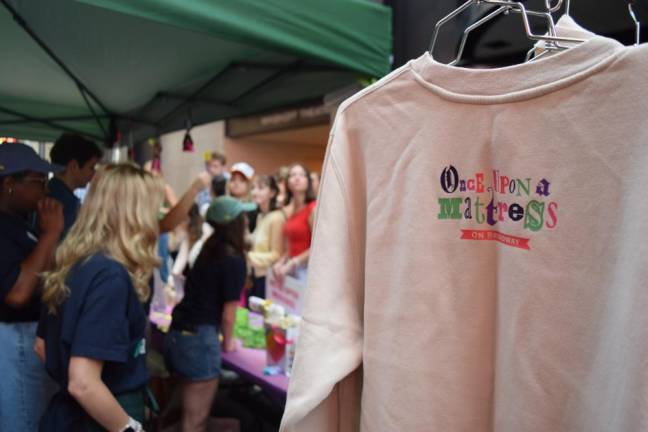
column 102, row 319
column 17, row 241
column 58, row 190
column 208, row 287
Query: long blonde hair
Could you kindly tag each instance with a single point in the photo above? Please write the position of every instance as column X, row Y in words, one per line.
column 118, row 218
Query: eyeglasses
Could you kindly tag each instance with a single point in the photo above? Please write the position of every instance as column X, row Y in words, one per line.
column 41, row 181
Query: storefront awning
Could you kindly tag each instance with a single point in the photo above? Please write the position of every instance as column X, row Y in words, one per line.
column 147, row 67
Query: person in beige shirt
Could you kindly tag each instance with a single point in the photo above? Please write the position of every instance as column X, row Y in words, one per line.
column 267, row 239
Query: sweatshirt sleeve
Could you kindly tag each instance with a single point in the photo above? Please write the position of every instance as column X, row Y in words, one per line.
column 324, row 391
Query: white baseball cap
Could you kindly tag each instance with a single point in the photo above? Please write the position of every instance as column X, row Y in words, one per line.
column 243, row 168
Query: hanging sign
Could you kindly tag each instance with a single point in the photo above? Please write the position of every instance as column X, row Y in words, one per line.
column 289, row 293
column 291, row 118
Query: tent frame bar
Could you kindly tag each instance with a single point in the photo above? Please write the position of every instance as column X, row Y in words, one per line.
column 191, row 98
column 186, row 101
column 52, row 119
column 304, row 67
column 274, row 76
column 83, row 89
column 209, row 101
column 94, row 114
column 108, row 120
column 31, row 119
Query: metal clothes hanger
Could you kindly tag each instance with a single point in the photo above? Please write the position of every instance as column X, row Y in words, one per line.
column 505, row 6
column 532, row 54
column 631, row 4
column 470, row 28
column 505, row 10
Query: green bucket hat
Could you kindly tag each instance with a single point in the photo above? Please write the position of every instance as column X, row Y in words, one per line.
column 225, row 209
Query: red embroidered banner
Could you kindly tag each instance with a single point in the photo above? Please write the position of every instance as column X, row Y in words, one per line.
column 505, row 239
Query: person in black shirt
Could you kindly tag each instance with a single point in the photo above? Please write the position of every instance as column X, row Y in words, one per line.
column 25, row 387
column 95, row 324
column 78, row 156
column 219, row 186
column 212, row 293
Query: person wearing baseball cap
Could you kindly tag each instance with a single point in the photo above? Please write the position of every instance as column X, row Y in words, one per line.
column 240, row 185
column 27, row 251
column 241, row 176
column 244, row 169
column 212, row 292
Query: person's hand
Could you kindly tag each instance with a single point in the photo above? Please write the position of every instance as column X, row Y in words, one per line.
column 170, row 295
column 286, row 268
column 278, row 271
column 39, row 348
column 229, row 346
column 291, row 265
column 50, row 216
column 275, row 268
column 181, row 277
column 203, row 180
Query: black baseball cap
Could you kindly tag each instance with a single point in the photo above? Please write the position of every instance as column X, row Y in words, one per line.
column 18, row 157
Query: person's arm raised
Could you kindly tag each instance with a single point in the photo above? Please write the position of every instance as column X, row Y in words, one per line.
column 180, row 211
column 50, row 216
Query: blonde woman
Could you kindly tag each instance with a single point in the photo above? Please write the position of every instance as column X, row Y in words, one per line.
column 267, row 239
column 94, row 327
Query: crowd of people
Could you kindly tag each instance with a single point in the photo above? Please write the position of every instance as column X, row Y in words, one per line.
column 76, row 278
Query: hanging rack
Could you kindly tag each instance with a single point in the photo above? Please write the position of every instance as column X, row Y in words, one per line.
column 505, row 6
column 637, row 23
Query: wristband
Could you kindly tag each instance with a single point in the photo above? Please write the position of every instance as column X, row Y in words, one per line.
column 132, row 426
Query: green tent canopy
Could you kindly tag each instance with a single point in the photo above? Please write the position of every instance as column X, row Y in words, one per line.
column 147, row 67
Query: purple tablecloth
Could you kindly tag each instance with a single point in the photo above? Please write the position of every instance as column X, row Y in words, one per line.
column 249, row 363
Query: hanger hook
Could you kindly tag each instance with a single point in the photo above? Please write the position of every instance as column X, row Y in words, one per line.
column 446, row 19
column 631, row 3
column 567, row 6
column 555, row 8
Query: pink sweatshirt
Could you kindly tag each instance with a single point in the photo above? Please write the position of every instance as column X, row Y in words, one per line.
column 478, row 261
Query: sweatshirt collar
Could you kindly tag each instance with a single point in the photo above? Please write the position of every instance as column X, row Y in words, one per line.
column 518, row 82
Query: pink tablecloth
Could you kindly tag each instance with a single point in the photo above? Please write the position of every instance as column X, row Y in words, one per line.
column 249, row 363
